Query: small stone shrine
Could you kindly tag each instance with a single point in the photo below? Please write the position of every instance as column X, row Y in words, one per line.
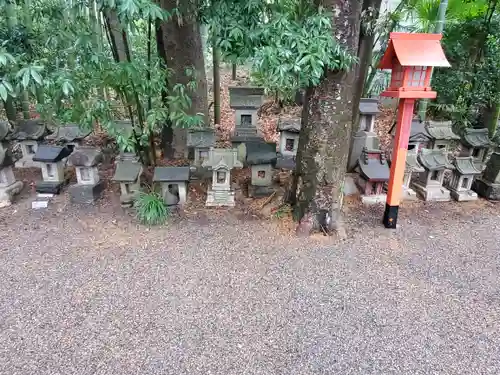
column 289, row 130
column 419, row 137
column 430, row 183
column 261, row 157
column 412, row 166
column 28, row 133
column 200, row 141
column 373, row 174
column 173, row 181
column 128, row 172
column 221, row 161
column 475, row 143
column 463, row 176
column 365, row 136
column 51, row 160
column 488, row 185
column 441, row 134
column 8, row 184
column 89, row 186
column 69, row 135
column 246, row 101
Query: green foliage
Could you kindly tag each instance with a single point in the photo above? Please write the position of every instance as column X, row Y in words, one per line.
column 151, row 209
column 471, row 87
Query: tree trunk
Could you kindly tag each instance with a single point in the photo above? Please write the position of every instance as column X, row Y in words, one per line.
column 326, row 131
column 216, row 83
column 179, row 45
column 117, row 36
column 233, row 72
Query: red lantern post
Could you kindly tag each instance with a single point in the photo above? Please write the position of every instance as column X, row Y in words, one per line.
column 411, row 58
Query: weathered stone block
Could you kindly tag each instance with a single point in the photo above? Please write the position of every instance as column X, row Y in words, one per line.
column 85, row 194
column 48, row 187
column 259, row 191
column 487, row 189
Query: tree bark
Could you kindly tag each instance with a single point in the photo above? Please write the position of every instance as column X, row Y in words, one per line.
column 326, row 131
column 216, row 67
column 179, row 45
column 117, row 36
column 233, row 72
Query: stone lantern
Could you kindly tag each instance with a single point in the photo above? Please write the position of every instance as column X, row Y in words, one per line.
column 430, row 183
column 246, row 101
column 261, row 157
column 289, row 129
column 174, row 181
column 462, row 178
column 200, row 141
column 52, row 161
column 8, row 184
column 28, row 133
column 128, row 172
column 475, row 143
column 70, row 135
column 89, row 186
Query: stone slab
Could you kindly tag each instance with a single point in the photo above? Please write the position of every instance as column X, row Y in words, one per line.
column 260, row 191
column 487, row 189
column 217, row 198
column 463, row 196
column 409, row 194
column 373, row 199
column 35, row 205
column 350, row 187
column 433, row 193
column 48, row 187
column 85, row 194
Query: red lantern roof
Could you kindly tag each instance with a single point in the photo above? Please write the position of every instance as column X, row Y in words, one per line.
column 414, row 49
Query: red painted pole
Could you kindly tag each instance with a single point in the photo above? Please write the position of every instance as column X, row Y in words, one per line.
column 398, row 162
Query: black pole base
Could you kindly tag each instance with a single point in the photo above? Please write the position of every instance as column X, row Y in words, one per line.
column 390, row 216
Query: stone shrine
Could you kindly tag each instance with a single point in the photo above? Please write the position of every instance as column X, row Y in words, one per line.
column 488, row 185
column 430, row 183
column 246, row 101
column 89, row 186
column 70, row 135
column 28, row 133
column 412, row 166
column 464, row 173
column 221, row 161
column 475, row 143
column 419, row 137
column 289, row 130
column 8, row 184
column 128, row 172
column 173, row 181
column 261, row 157
column 373, row 174
column 365, row 136
column 200, row 141
column 441, row 133
column 51, row 161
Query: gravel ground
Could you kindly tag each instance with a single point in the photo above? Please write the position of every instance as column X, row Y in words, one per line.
column 90, row 292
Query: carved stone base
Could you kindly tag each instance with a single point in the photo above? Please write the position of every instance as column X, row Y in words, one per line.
column 409, row 194
column 373, row 199
column 433, row 193
column 463, row 196
column 487, row 189
column 6, row 193
column 220, row 198
column 48, row 187
column 85, row 194
column 259, row 191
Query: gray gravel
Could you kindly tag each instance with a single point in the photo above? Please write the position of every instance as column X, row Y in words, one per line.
column 93, row 293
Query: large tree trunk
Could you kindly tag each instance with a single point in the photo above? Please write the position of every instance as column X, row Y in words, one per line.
column 180, row 46
column 117, row 36
column 326, row 131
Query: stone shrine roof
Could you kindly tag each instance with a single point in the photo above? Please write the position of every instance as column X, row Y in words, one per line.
column 476, row 138
column 373, row 165
column 201, row 138
column 441, row 130
column 6, row 159
column 418, row 132
column 368, row 106
column 261, row 153
column 127, row 171
column 69, row 133
column 434, row 160
column 465, row 165
column 33, row 130
column 412, row 163
column 85, row 157
column 5, row 129
column 51, row 154
column 168, row 174
column 245, row 97
column 292, row 125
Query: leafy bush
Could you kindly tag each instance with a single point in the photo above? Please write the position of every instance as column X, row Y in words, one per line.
column 151, row 209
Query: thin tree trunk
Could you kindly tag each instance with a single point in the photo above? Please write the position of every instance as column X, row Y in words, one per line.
column 233, row 72
column 216, row 83
column 180, row 46
column 326, row 131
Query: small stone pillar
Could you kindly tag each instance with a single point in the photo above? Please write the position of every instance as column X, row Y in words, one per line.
column 128, row 172
column 245, row 101
column 463, row 175
column 221, row 161
column 430, row 183
column 173, row 181
column 8, row 184
column 28, row 133
column 289, row 130
column 199, row 141
column 51, row 161
column 89, row 186
column 488, row 185
column 365, row 136
column 261, row 157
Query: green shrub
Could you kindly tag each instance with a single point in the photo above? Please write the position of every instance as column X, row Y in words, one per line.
column 151, row 209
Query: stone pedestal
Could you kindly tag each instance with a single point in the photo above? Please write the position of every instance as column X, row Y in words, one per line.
column 463, row 196
column 432, row 193
column 86, row 194
column 373, row 199
column 220, row 198
column 487, row 189
column 408, row 194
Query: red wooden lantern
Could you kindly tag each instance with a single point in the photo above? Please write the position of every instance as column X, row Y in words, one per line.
column 411, row 58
